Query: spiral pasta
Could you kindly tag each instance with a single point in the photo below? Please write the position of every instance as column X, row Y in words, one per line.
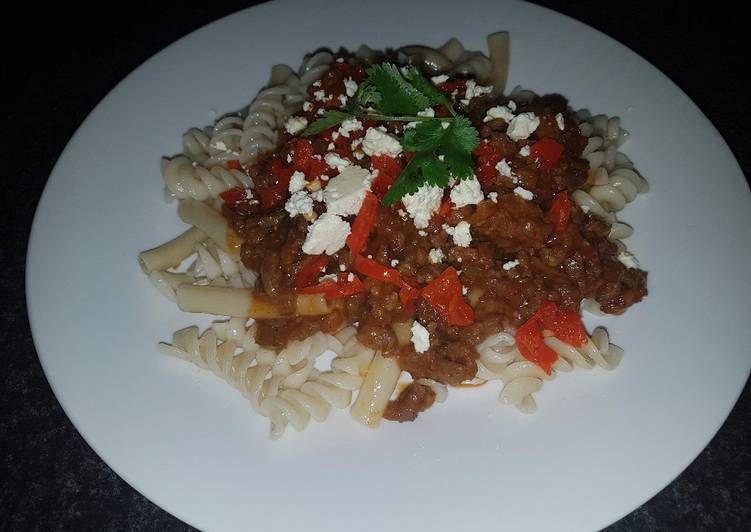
column 614, row 181
column 500, row 359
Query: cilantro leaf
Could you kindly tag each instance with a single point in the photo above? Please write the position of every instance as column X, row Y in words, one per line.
column 367, row 94
column 462, row 136
column 460, row 164
column 408, row 181
column 425, row 136
column 397, row 95
column 435, row 172
column 434, row 96
column 329, row 119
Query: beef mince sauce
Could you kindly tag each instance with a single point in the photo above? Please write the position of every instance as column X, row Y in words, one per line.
column 541, row 263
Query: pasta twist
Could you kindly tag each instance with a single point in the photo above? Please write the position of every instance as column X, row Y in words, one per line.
column 500, row 359
column 613, row 180
column 451, row 58
column 184, row 180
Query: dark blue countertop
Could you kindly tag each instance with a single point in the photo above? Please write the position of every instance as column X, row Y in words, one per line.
column 59, row 62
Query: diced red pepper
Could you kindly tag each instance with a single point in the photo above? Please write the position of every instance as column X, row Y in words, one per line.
column 445, row 295
column 450, row 86
column 548, row 152
column 303, row 155
column 560, row 210
column 381, row 184
column 487, row 156
column 376, row 270
column 233, row 195
column 273, row 195
column 386, row 165
column 363, row 223
column 309, row 270
column 445, row 207
column 565, row 325
column 316, row 168
column 442, row 111
column 408, row 295
column 279, row 171
column 342, row 287
column 234, row 164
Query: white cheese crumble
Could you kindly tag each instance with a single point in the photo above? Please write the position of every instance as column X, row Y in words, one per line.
column 510, row 265
column 342, row 99
column 394, row 263
column 559, row 121
column 428, row 111
column 500, row 111
column 376, row 142
column 328, row 277
column 299, row 203
column 335, row 161
column 524, row 152
column 465, row 290
column 445, row 124
column 422, row 233
column 628, row 260
column 327, row 234
column 467, row 192
column 437, row 80
column 307, row 106
column 423, row 204
column 345, row 192
column 342, row 268
column 504, row 168
column 522, row 126
column 297, row 182
column 493, row 196
column 523, row 193
column 331, row 146
column 511, row 105
column 350, row 277
column 460, row 233
column 350, row 86
column 319, row 95
column 349, row 125
column 420, row 337
column 473, row 90
column 436, row 256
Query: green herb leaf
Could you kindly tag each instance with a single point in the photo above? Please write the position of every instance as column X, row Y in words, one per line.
column 397, row 95
column 408, row 181
column 460, row 164
column 329, row 119
column 434, row 96
column 366, row 94
column 461, row 136
column 425, row 136
column 435, row 172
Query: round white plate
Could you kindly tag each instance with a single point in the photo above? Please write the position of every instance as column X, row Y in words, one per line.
column 601, row 443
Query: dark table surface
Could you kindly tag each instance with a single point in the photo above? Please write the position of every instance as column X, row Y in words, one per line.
column 59, row 62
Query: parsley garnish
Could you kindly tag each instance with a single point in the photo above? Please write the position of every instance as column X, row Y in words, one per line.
column 442, row 145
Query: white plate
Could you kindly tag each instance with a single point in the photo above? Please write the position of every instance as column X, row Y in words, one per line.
column 602, row 442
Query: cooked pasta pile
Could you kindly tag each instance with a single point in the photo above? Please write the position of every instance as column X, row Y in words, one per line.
column 398, row 210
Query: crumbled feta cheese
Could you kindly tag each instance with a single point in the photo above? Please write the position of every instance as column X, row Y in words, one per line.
column 319, row 95
column 467, row 192
column 628, row 260
column 334, row 160
column 428, row 111
column 340, row 60
column 445, row 124
column 559, row 121
column 335, row 135
column 420, row 337
column 350, row 86
column 437, row 80
column 524, row 152
column 523, row 193
column 327, row 234
column 511, row 105
column 345, row 192
column 377, row 142
column 331, row 146
column 473, row 90
column 342, row 268
column 510, row 265
column 504, row 168
column 500, row 111
column 350, row 277
column 299, row 203
column 422, row 233
column 328, row 277
column 307, row 106
column 522, row 126
column 394, row 263
column 317, row 83
column 289, row 158
column 349, row 125
column 401, row 213
column 423, row 204
column 436, row 256
column 342, row 99
column 465, row 290
column 296, row 182
column 441, row 157
column 461, row 235
column 321, row 111
column 493, row 196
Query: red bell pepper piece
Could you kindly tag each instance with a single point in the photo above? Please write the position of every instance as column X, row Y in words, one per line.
column 376, row 270
column 233, row 195
column 342, row 287
column 381, row 184
column 309, row 270
column 363, row 223
column 386, row 165
column 548, row 152
column 303, row 155
column 450, row 86
column 234, row 164
column 445, row 295
column 532, row 346
column 560, row 210
column 487, row 157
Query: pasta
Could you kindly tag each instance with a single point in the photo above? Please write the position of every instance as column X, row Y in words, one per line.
column 320, row 228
